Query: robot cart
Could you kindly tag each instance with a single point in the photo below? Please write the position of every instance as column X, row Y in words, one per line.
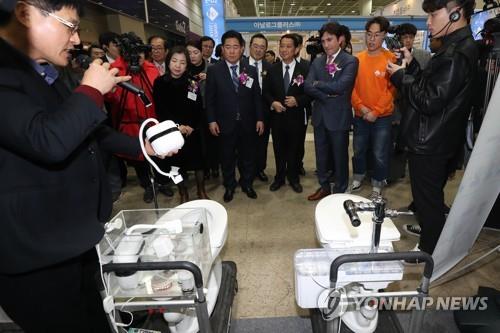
column 163, row 266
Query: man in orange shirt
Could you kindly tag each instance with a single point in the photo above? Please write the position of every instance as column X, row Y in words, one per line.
column 372, row 100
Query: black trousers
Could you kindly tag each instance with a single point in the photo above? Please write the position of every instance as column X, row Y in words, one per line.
column 261, row 153
column 428, row 176
column 238, row 149
column 287, row 142
column 61, row 298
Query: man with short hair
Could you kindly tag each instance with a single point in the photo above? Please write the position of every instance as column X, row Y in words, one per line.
column 109, row 43
column 330, row 83
column 285, row 93
column 258, row 47
column 159, row 52
column 96, row 52
column 54, row 196
column 207, row 49
column 372, row 100
column 407, row 33
column 234, row 114
column 438, row 104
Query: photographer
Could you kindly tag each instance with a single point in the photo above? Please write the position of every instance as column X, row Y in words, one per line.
column 127, row 110
column 438, row 103
column 53, row 192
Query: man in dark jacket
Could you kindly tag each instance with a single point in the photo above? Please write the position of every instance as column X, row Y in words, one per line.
column 53, row 191
column 438, row 104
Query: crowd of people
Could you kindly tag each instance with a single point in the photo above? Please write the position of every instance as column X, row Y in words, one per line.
column 66, row 135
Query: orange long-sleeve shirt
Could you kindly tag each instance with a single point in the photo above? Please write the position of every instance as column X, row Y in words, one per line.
column 372, row 87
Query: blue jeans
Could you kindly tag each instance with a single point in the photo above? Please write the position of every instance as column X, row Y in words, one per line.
column 377, row 137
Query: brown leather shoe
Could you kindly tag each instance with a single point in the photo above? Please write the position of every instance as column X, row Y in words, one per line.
column 319, row 194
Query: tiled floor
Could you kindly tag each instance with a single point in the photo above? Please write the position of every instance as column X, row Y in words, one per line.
column 265, row 233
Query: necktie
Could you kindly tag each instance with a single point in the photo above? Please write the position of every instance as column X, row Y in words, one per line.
column 234, row 76
column 330, row 59
column 286, row 79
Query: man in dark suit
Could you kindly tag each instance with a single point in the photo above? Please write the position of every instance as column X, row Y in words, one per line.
column 258, row 47
column 54, row 195
column 234, row 114
column 207, row 49
column 330, row 82
column 307, row 108
column 285, row 93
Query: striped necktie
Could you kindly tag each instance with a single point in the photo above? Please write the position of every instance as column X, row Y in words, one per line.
column 234, row 76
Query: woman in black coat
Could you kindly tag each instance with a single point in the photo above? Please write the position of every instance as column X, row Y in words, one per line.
column 177, row 97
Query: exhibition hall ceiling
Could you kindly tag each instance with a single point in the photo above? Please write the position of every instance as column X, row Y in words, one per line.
column 302, row 7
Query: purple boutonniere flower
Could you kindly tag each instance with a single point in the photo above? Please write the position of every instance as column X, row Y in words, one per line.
column 299, row 79
column 194, row 86
column 243, row 78
column 332, row 69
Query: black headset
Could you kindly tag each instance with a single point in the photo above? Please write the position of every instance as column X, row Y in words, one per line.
column 455, row 15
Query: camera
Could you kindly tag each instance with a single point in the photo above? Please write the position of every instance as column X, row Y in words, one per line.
column 81, row 57
column 132, row 47
column 392, row 40
column 313, row 46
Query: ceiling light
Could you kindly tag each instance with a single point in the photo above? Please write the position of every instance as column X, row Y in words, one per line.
column 261, row 4
column 353, row 11
column 292, row 4
column 261, row 12
column 321, row 11
column 328, row 4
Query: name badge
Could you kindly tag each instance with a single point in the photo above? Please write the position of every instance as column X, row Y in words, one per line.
column 249, row 82
column 192, row 96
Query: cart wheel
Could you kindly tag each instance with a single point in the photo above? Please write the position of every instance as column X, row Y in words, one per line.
column 318, row 324
column 220, row 320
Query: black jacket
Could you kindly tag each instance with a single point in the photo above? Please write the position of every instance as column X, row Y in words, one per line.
column 275, row 92
column 223, row 102
column 53, row 188
column 438, row 98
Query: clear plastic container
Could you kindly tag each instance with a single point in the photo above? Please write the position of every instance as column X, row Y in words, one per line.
column 179, row 234
column 312, row 272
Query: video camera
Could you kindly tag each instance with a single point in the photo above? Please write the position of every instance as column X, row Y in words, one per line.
column 392, row 38
column 131, row 47
column 313, row 46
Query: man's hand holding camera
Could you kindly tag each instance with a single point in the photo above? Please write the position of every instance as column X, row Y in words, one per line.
column 100, row 77
column 407, row 59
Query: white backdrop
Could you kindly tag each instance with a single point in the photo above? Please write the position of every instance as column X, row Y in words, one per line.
column 476, row 195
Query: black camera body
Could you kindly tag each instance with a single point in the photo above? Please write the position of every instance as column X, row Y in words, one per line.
column 131, row 48
column 313, row 46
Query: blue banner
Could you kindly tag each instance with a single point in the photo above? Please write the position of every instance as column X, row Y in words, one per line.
column 213, row 18
column 269, row 24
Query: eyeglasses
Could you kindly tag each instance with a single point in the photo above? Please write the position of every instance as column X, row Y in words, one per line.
column 376, row 35
column 72, row 27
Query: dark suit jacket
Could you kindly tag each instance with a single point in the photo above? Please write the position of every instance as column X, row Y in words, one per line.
column 275, row 92
column 332, row 96
column 266, row 67
column 223, row 102
column 53, row 189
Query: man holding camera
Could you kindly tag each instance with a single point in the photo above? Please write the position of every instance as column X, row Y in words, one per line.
column 127, row 109
column 53, row 193
column 437, row 106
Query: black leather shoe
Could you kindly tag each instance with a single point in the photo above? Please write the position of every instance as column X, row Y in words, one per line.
column 228, row 195
column 276, row 185
column 262, row 176
column 297, row 188
column 302, row 171
column 250, row 192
